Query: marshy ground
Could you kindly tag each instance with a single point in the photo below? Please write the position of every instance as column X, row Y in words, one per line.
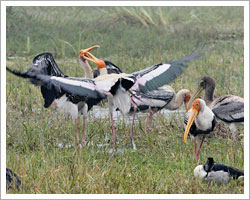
column 40, row 142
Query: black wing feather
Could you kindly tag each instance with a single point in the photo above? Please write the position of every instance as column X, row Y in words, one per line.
column 172, row 70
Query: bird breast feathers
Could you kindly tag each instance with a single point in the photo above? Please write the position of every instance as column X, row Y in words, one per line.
column 204, row 119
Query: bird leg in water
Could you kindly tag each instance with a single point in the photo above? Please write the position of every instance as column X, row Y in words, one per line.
column 198, row 151
column 113, row 128
column 132, row 128
column 77, row 132
column 83, row 130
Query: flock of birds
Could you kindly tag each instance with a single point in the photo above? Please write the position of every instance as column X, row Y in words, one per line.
column 144, row 90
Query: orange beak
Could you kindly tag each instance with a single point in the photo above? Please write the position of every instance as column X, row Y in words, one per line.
column 83, row 52
column 193, row 114
column 92, row 58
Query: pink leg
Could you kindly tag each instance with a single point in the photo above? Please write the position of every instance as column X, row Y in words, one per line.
column 113, row 129
column 77, row 133
column 149, row 121
column 53, row 104
column 83, row 130
column 132, row 129
column 202, row 140
column 195, row 148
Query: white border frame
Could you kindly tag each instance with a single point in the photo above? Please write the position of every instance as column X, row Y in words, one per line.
column 124, row 3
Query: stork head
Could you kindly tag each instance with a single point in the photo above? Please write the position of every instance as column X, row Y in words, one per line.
column 196, row 107
column 205, row 82
column 83, row 52
column 187, row 97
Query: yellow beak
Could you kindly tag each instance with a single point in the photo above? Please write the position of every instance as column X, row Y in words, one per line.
column 83, row 52
column 191, row 119
column 196, row 94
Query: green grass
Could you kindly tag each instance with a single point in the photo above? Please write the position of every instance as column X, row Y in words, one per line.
column 132, row 38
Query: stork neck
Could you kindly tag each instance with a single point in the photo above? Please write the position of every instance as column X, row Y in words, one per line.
column 87, row 69
column 103, row 71
column 209, row 94
column 178, row 100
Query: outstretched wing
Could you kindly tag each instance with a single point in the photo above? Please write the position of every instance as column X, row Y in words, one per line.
column 161, row 74
column 44, row 64
column 84, row 88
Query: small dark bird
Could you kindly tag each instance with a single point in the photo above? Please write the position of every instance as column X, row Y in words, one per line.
column 219, row 173
column 12, row 178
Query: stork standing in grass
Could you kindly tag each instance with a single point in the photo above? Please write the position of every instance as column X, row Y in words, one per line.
column 228, row 108
column 90, row 91
column 163, row 97
column 71, row 104
column 146, row 88
column 199, row 120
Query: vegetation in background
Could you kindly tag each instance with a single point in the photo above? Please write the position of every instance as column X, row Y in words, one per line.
column 132, row 38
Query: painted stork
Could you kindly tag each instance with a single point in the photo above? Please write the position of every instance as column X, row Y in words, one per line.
column 148, row 81
column 228, row 108
column 199, row 120
column 91, row 91
column 220, row 173
column 163, row 97
column 66, row 103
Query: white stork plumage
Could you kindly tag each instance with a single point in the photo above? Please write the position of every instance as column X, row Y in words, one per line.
column 228, row 108
column 148, row 86
column 199, row 120
column 220, row 173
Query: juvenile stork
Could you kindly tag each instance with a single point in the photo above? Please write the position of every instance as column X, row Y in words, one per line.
column 147, row 86
column 228, row 108
column 199, row 120
column 217, row 172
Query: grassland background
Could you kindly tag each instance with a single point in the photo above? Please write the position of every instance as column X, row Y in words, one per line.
column 133, row 38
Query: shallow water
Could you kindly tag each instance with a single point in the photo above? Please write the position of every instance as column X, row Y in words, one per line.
column 103, row 112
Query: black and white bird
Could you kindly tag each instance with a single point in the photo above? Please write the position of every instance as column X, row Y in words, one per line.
column 219, row 173
column 199, row 120
column 228, row 108
column 69, row 103
column 148, row 91
column 12, row 179
column 155, row 100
